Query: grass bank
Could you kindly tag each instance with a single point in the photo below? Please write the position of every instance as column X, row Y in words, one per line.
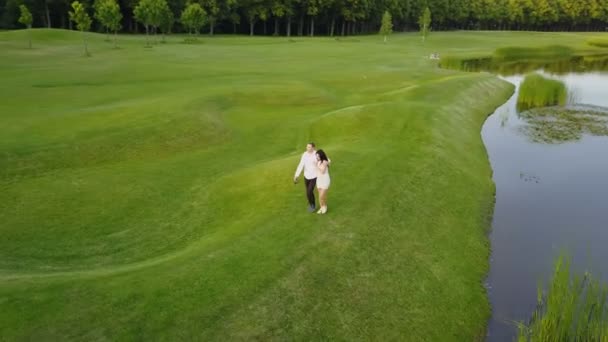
column 146, row 193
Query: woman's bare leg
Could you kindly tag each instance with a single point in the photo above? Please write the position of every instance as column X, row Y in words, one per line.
column 321, row 203
column 323, row 198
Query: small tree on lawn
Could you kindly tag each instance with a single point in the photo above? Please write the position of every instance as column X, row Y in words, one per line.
column 425, row 23
column 149, row 13
column 387, row 25
column 167, row 21
column 109, row 15
column 83, row 22
column 100, row 14
column 193, row 17
column 26, row 19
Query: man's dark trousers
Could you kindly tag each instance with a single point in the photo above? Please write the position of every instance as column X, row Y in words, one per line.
column 310, row 190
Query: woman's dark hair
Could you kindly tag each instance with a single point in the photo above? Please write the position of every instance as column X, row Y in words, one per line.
column 322, row 155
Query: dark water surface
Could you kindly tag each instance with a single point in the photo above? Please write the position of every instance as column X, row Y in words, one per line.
column 550, row 199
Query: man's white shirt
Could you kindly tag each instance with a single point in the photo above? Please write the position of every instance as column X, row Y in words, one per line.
column 308, row 162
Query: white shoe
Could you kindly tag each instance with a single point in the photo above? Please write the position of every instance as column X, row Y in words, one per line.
column 320, row 211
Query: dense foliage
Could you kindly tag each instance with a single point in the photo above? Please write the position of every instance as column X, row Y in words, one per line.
column 331, row 17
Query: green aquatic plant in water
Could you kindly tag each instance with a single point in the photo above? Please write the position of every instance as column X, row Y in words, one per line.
column 559, row 124
column 527, row 53
column 538, row 91
column 574, row 308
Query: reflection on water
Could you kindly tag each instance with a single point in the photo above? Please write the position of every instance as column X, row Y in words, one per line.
column 499, row 66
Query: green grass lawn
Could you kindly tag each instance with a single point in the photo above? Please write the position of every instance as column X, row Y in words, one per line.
column 146, row 194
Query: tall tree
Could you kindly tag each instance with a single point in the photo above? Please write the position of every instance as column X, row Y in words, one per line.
column 26, row 19
column 570, row 10
column 252, row 14
column 354, row 11
column 253, row 10
column 9, row 13
column 228, row 11
column 313, row 8
column 515, row 14
column 604, row 12
column 590, row 11
column 488, row 12
column 263, row 14
column 212, row 8
column 544, row 14
column 167, row 21
column 234, row 18
column 333, row 11
column 352, row 15
column 502, row 13
column 520, row 13
column 425, row 23
column 193, row 17
column 387, row 25
column 279, row 10
column 441, row 12
column 80, row 16
column 47, row 13
column 459, row 13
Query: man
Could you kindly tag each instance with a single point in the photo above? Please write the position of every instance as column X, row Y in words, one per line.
column 308, row 163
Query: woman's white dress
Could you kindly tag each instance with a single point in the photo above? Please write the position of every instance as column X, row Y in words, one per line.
column 323, row 179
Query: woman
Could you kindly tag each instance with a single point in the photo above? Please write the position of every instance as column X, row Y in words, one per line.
column 322, row 179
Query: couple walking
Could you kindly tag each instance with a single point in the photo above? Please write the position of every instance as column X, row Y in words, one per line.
column 316, row 172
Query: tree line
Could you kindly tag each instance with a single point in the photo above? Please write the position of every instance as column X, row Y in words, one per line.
column 326, row 17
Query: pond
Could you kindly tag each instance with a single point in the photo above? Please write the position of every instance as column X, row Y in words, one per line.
column 550, row 167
